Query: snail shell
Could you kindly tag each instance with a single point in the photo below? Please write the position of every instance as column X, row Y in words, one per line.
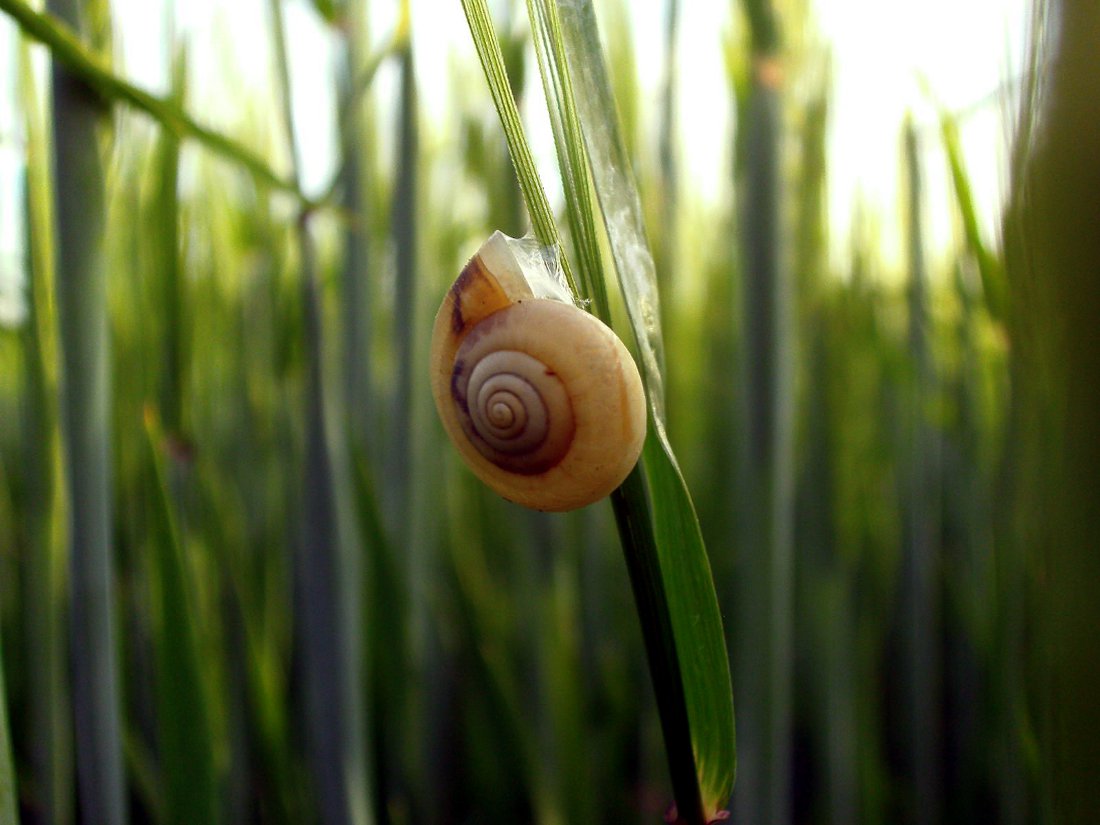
column 542, row 399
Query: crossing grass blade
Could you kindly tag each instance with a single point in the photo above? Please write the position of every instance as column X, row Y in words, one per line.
column 58, row 33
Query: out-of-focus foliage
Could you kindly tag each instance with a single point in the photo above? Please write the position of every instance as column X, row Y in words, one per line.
column 503, row 677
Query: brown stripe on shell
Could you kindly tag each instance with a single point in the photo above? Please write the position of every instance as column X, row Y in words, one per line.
column 474, row 295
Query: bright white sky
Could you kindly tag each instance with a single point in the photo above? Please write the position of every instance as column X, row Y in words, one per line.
column 965, row 49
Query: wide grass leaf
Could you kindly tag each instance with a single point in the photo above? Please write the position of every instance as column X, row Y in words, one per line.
column 678, row 564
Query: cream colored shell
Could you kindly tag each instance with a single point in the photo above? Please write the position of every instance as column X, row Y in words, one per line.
column 542, row 400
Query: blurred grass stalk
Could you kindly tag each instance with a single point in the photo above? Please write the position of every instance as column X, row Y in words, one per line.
column 405, row 239
column 668, row 236
column 44, row 574
column 185, row 703
column 763, row 627
column 183, row 700
column 1055, row 279
column 919, row 594
column 825, row 584
column 79, row 131
column 356, row 178
column 8, row 787
column 408, row 749
column 328, row 579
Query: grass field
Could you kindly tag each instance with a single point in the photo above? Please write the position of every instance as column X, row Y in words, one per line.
column 244, row 577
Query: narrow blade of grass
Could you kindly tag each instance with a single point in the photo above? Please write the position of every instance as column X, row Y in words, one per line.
column 186, row 746
column 8, row 788
column 989, row 266
column 534, row 193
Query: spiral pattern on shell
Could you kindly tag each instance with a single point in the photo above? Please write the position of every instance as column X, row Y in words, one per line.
column 512, row 408
column 541, row 399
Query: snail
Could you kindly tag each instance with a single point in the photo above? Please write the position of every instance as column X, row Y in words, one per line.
column 541, row 399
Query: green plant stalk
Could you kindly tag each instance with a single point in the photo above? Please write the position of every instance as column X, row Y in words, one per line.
column 569, row 143
column 989, row 267
column 826, row 585
column 920, row 593
column 673, row 591
column 44, row 570
column 763, row 636
column 1054, row 303
column 680, row 560
column 405, row 238
column 667, row 154
column 662, row 545
column 357, row 82
column 534, row 195
column 8, row 794
column 353, row 181
column 565, row 725
column 640, row 546
column 68, row 50
column 327, row 562
column 85, row 406
column 400, row 464
column 385, row 611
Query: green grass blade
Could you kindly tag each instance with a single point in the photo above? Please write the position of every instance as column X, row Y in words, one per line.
column 184, row 728
column 667, row 240
column 8, row 787
column 534, row 195
column 569, row 143
column 44, row 571
column 86, row 392
column 919, row 590
column 617, row 193
column 1055, row 301
column 667, row 604
column 989, row 266
column 763, row 637
column 675, row 556
column 663, row 546
column 697, row 624
column 406, row 235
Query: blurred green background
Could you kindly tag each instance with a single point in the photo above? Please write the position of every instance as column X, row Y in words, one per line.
column 213, row 393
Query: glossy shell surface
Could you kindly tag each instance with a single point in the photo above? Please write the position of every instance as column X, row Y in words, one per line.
column 541, row 399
